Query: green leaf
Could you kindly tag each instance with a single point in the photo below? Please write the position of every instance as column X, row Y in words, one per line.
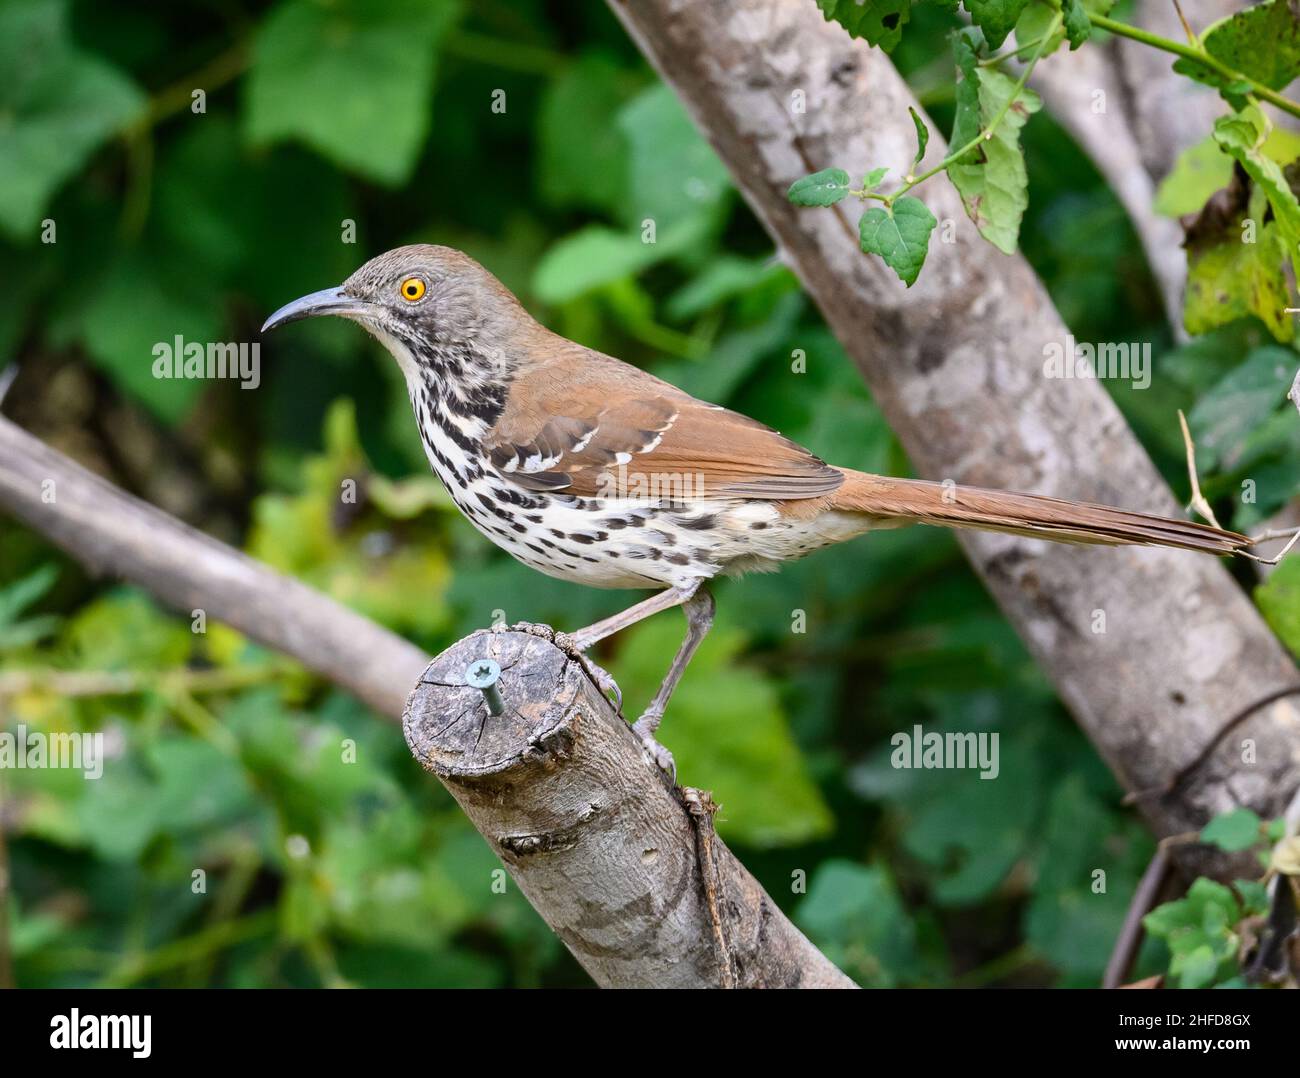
column 1243, row 136
column 135, row 305
column 720, row 279
column 353, row 80
column 1233, row 831
column 1033, row 25
column 596, row 256
column 733, row 358
column 119, row 813
column 1261, row 41
column 899, row 234
column 1279, row 601
column 879, row 22
column 824, row 188
column 976, row 831
column 997, row 18
column 1203, row 168
column 991, row 177
column 1198, row 173
column 16, row 631
column 124, row 630
column 582, row 154
column 1077, row 27
column 922, row 136
column 23, row 592
column 267, row 224
column 1254, row 896
column 1240, row 402
column 58, row 104
column 1068, row 922
column 1232, row 279
column 306, row 536
column 872, row 179
column 199, row 787
column 1233, row 91
column 854, row 914
column 674, row 174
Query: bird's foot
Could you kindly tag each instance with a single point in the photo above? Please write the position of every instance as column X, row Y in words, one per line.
column 603, row 678
column 657, row 754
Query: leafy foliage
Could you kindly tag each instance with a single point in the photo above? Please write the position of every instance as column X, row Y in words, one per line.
column 858, row 916
column 922, row 141
column 992, row 179
column 1234, row 831
column 1242, row 135
column 60, row 104
column 308, row 59
column 1199, row 932
column 328, row 857
column 1254, row 51
column 1206, row 931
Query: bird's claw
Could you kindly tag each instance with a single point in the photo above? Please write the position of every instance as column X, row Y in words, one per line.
column 655, row 752
column 602, row 677
column 529, row 627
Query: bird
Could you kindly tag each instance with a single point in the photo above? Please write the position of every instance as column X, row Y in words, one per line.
column 591, row 470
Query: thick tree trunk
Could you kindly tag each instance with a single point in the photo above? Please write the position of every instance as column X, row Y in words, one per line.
column 1152, row 650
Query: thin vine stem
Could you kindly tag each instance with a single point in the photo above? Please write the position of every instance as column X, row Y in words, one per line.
column 1013, row 54
column 1197, row 54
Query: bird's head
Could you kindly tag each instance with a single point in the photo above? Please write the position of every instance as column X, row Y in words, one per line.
column 424, row 303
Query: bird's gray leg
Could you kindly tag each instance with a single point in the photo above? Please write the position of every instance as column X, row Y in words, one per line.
column 660, row 600
column 586, row 638
column 698, row 609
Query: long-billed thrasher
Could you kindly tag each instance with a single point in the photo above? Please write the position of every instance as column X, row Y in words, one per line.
column 590, row 470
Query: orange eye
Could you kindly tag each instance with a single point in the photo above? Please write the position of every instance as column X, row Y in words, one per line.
column 412, row 289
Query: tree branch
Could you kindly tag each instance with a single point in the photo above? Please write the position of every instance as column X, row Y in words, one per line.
column 113, row 533
column 592, row 832
column 956, row 363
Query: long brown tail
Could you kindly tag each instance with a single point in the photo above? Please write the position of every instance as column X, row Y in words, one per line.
column 900, row 501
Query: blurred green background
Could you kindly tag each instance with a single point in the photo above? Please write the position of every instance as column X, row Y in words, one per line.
column 533, row 136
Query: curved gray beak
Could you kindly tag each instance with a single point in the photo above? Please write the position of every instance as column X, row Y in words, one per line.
column 326, row 301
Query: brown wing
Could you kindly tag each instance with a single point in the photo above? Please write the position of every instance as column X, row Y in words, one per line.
column 583, row 423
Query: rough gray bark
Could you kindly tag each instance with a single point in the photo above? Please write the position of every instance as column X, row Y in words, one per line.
column 593, row 833
column 112, row 533
column 956, row 363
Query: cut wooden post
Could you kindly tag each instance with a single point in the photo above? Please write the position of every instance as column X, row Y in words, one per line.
column 594, row 834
